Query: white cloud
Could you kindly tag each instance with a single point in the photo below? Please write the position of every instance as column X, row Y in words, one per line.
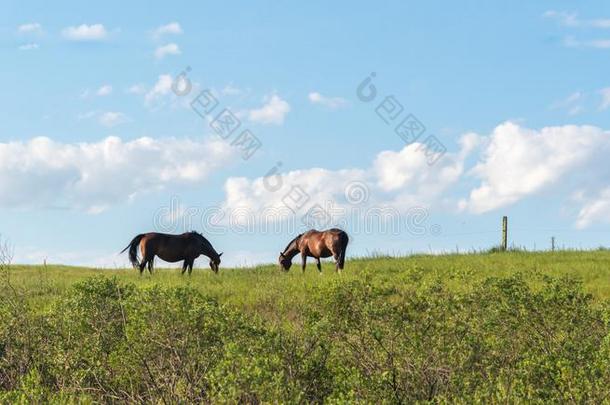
column 518, row 162
column 408, row 170
column 572, row 42
column 321, row 184
column 95, row 176
column 330, row 102
column 563, row 17
column 598, row 43
column 402, row 180
column 84, row 32
column 104, row 90
column 605, row 93
column 30, row 28
column 273, row 112
column 171, row 28
column 164, row 50
column 136, row 89
column 162, row 87
column 29, row 47
column 572, row 20
column 572, row 104
column 595, row 210
column 112, row 118
column 600, row 23
column 511, row 164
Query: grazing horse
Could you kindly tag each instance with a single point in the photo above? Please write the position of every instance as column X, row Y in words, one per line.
column 316, row 244
column 171, row 248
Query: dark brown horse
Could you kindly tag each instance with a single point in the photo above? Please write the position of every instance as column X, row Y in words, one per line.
column 171, row 248
column 316, row 244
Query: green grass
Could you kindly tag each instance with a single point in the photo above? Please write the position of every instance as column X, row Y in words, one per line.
column 504, row 327
column 266, row 288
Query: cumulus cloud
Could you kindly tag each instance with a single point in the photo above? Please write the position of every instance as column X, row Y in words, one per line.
column 329, row 102
column 84, row 32
column 94, row 176
column 400, row 179
column 510, row 164
column 595, row 210
column 164, row 50
column 518, row 162
column 273, row 112
column 162, row 87
column 259, row 194
column 172, row 28
column 30, row 28
column 408, row 172
column 104, row 90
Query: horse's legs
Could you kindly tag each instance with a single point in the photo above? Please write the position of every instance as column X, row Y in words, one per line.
column 338, row 268
column 303, row 261
column 141, row 266
column 143, row 262
column 150, row 264
column 184, row 266
column 318, row 264
column 191, row 262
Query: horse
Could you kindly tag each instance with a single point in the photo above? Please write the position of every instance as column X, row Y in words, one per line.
column 316, row 244
column 171, row 248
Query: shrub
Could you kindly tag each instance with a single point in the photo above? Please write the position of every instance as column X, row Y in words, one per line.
column 358, row 340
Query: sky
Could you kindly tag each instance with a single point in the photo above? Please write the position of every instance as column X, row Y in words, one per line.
column 415, row 126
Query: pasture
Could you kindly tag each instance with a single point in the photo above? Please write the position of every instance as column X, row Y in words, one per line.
column 488, row 327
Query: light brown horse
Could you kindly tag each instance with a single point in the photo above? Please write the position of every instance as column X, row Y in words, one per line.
column 316, row 244
column 171, row 248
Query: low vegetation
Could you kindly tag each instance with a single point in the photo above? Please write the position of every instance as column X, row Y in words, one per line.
column 498, row 327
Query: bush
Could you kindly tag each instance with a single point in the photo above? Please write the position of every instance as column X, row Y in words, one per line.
column 503, row 341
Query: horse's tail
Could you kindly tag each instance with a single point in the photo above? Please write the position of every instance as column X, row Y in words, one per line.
column 343, row 239
column 133, row 250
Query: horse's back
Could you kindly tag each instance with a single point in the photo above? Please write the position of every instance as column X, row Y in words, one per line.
column 170, row 248
column 325, row 243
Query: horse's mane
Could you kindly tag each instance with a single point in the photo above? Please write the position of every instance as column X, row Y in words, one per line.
column 202, row 238
column 291, row 242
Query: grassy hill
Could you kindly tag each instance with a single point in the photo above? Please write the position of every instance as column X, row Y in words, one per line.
column 249, row 286
column 481, row 327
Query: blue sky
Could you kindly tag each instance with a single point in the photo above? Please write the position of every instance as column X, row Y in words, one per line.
column 95, row 147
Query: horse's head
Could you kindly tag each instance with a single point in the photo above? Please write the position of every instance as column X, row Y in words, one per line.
column 284, row 262
column 215, row 263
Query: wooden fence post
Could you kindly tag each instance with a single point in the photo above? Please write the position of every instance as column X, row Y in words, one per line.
column 504, row 233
